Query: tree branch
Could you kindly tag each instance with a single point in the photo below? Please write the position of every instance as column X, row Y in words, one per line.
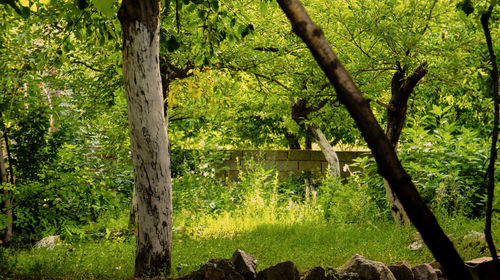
column 86, row 65
column 387, row 106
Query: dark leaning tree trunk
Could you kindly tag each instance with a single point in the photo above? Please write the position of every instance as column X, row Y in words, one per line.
column 140, row 21
column 388, row 164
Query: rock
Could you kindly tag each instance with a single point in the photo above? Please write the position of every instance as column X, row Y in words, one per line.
column 439, row 273
column 282, row 271
column 215, row 269
column 367, row 269
column 316, row 273
column 416, row 245
column 483, row 268
column 245, row 264
column 401, row 270
column 424, row 272
column 49, row 242
column 319, row 273
column 436, row 265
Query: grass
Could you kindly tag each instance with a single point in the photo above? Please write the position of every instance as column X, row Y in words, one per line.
column 306, row 242
column 265, row 221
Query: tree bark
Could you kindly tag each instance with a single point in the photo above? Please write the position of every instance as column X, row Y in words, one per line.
column 401, row 89
column 494, row 139
column 140, row 21
column 388, row 164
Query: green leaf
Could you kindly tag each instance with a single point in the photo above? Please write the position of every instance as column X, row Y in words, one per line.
column 106, row 7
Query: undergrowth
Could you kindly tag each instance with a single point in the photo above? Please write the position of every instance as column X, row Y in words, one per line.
column 313, row 222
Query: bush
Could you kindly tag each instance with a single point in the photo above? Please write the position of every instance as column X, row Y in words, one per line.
column 447, row 164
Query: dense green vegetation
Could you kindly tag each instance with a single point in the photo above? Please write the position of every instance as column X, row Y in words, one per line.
column 233, row 73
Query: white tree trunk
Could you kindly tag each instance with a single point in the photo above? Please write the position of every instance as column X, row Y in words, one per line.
column 148, row 135
column 328, row 152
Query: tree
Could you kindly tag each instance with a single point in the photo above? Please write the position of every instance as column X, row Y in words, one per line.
column 494, row 137
column 148, row 133
column 389, row 166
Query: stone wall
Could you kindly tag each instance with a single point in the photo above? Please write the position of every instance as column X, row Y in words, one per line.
column 289, row 162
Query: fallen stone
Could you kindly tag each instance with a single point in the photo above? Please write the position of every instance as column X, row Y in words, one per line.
column 367, row 269
column 316, row 273
column 282, row 271
column 214, row 269
column 245, row 264
column 424, row 272
column 401, row 270
column 49, row 242
column 483, row 268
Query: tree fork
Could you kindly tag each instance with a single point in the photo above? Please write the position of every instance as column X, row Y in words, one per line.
column 388, row 164
column 401, row 89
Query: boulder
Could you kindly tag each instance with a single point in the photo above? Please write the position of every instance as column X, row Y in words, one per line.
column 424, row 272
column 245, row 264
column 401, row 270
column 282, row 271
column 367, row 269
column 319, row 273
column 316, row 273
column 483, row 268
column 215, row 269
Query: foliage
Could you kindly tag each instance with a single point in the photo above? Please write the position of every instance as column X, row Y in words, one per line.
column 447, row 163
column 7, row 263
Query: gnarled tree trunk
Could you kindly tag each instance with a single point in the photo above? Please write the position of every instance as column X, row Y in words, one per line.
column 140, row 21
column 401, row 89
column 300, row 112
column 388, row 164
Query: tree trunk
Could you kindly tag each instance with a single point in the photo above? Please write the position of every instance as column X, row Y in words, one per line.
column 401, row 89
column 7, row 203
column 293, row 142
column 494, row 138
column 300, row 111
column 140, row 21
column 328, row 151
column 388, row 164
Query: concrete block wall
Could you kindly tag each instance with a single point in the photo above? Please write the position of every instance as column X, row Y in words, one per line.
column 289, row 162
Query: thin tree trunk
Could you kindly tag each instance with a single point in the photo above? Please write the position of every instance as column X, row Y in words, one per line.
column 328, row 151
column 401, row 89
column 140, row 21
column 7, row 203
column 388, row 164
column 494, row 139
